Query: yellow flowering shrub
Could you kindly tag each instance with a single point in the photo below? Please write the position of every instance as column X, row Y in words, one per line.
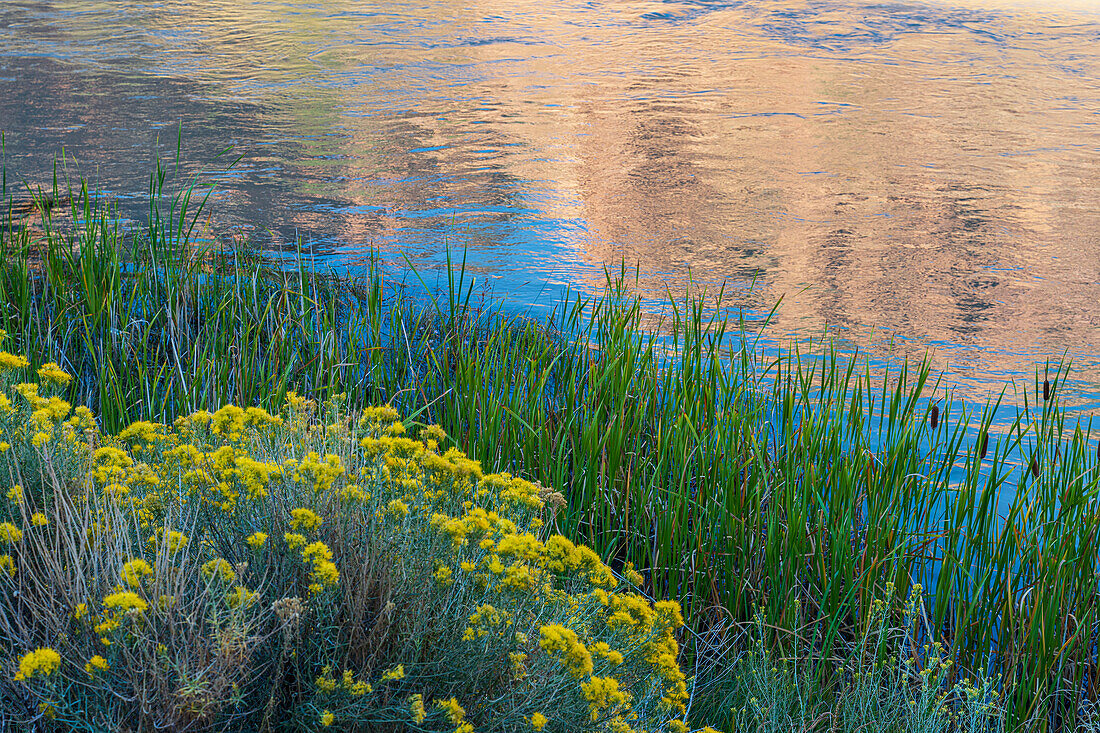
column 238, row 567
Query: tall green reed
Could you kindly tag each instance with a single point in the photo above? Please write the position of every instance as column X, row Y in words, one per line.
column 736, row 477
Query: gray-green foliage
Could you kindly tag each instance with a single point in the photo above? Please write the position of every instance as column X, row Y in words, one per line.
column 886, row 682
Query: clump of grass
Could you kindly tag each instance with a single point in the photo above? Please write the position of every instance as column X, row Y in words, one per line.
column 885, row 682
column 248, row 571
column 732, row 477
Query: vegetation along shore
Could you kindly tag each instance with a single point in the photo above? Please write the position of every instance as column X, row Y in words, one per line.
column 664, row 528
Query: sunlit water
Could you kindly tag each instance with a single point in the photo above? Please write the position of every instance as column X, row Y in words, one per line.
column 912, row 175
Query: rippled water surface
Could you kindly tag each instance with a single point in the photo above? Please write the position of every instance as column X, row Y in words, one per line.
column 927, row 171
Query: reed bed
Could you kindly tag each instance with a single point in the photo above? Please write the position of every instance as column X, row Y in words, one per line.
column 741, row 480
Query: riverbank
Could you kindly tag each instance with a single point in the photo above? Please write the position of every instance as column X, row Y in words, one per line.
column 794, row 488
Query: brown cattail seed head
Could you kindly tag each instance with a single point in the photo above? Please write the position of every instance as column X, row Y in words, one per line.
column 935, row 418
column 984, row 445
column 1034, row 466
column 1046, row 390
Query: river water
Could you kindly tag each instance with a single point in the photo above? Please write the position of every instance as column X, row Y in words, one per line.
column 911, row 175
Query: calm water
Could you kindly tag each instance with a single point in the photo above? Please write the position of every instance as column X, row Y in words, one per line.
column 931, row 170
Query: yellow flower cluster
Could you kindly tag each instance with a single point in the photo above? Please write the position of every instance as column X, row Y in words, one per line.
column 416, row 707
column 41, row 662
column 51, row 372
column 601, row 693
column 324, row 573
column 124, row 602
column 563, row 644
column 485, row 618
column 12, row 361
column 320, row 473
column 231, row 422
column 176, row 541
column 220, row 569
column 396, row 673
column 9, row 533
column 96, row 663
column 240, row 597
column 304, row 519
column 134, row 571
column 452, row 710
column 326, row 683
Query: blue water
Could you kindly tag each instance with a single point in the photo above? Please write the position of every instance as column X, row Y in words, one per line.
column 908, row 176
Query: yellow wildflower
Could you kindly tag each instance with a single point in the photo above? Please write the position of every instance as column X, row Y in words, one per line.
column 176, row 541
column 96, row 663
column 241, row 597
column 324, row 572
column 563, row 644
column 519, row 577
column 538, row 721
column 219, row 568
column 452, row 710
column 444, row 575
column 9, row 533
column 416, row 707
column 603, row 649
column 256, row 540
column 325, row 683
column 53, row 373
column 11, row 361
column 327, row 717
column 38, row 519
column 602, row 692
column 396, row 673
column 42, row 661
column 304, row 519
column 485, row 617
column 124, row 601
column 134, row 571
column 668, row 613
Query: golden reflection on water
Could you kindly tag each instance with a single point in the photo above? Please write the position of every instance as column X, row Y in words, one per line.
column 928, row 170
